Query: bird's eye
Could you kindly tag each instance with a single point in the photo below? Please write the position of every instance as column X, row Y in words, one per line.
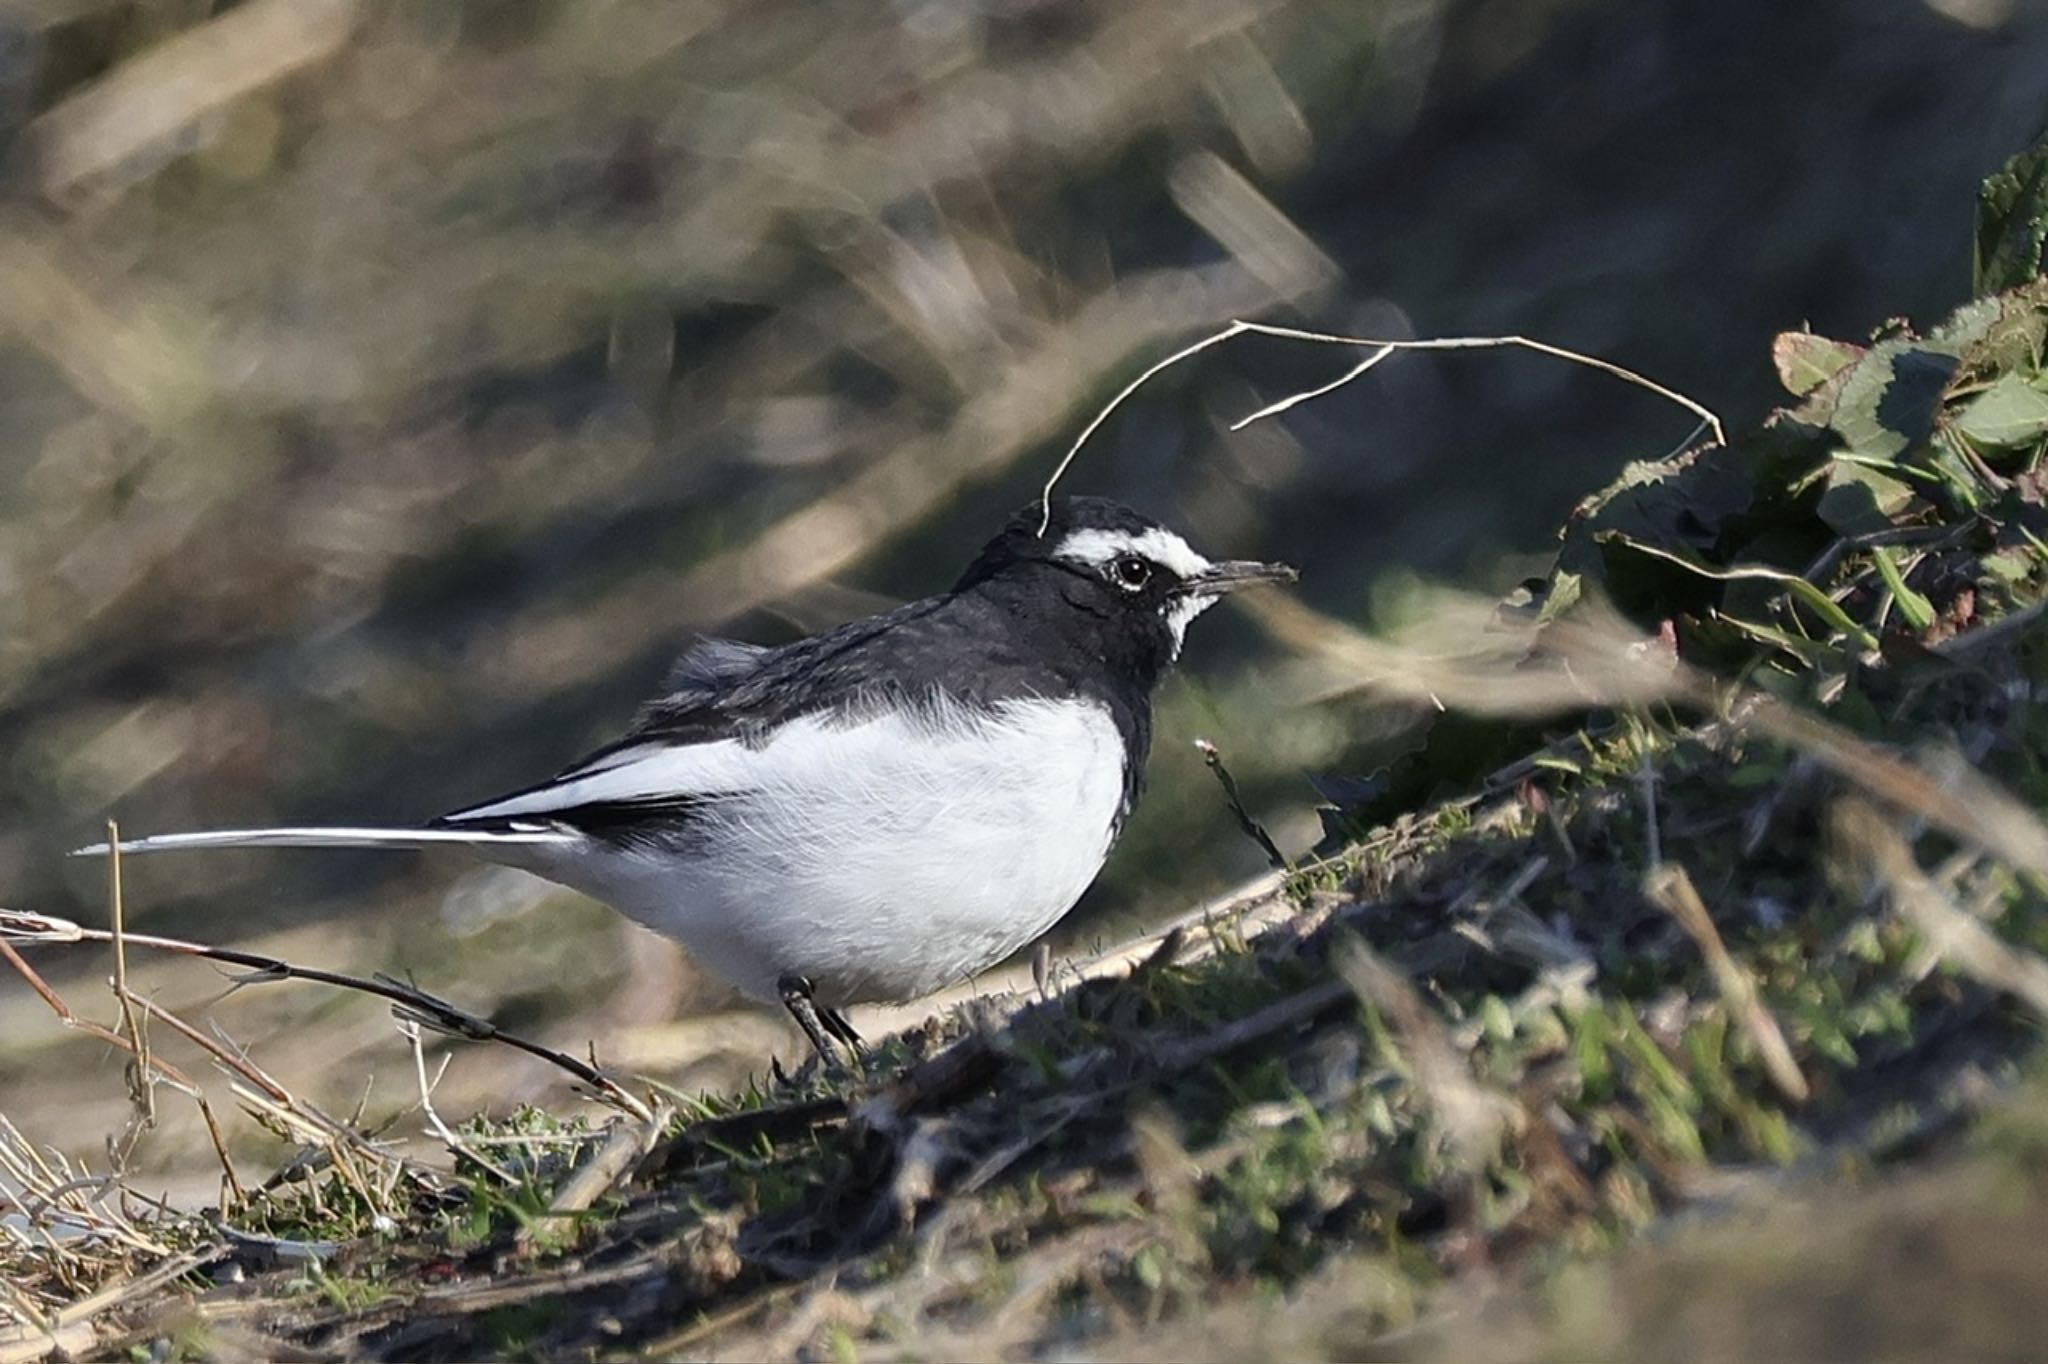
column 1131, row 572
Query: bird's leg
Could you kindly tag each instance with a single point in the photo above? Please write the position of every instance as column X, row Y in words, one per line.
column 836, row 1024
column 816, row 1023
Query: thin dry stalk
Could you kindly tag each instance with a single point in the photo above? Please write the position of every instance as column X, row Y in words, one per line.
column 688, row 1337
column 1037, row 1275
column 457, row 1147
column 1672, row 890
column 1646, row 782
column 61, row 1206
column 68, row 1250
column 1308, row 395
column 160, row 1068
column 1953, row 933
column 290, row 1117
column 146, row 103
column 1955, row 797
column 17, row 1307
column 1471, row 1117
column 1095, row 423
column 64, row 1331
column 1592, row 657
column 141, row 1085
column 1253, row 830
column 304, row 1116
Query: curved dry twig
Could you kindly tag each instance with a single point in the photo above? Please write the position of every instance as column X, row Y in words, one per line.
column 410, row 1002
column 1380, row 348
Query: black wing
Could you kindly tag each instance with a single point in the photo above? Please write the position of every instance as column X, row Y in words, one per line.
column 721, row 689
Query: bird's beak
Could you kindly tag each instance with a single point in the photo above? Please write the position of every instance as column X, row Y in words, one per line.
column 1232, row 574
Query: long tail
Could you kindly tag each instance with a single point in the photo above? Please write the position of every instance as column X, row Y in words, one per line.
column 334, row 838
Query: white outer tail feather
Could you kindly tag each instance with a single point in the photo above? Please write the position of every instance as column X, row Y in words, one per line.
column 332, row 838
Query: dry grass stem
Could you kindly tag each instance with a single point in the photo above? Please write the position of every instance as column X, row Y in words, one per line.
column 457, row 1147
column 141, row 1079
column 1253, row 830
column 1707, row 418
column 1953, row 796
column 1671, row 889
column 1294, row 400
column 68, row 1332
column 1456, row 650
column 1095, row 422
column 1653, row 836
column 1471, row 1118
column 163, row 1070
column 624, row 1147
column 1952, row 932
column 303, row 1118
column 145, row 103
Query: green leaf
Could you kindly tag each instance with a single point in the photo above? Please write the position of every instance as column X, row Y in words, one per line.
column 2012, row 564
column 1918, row 611
column 1565, row 591
column 1890, row 398
column 1860, row 499
column 1968, row 326
column 1824, row 606
column 2010, row 412
column 1812, row 654
column 1994, row 335
column 1496, row 1019
column 1755, row 775
column 1806, row 361
column 2012, row 221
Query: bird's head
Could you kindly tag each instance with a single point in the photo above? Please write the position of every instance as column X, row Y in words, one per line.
column 1113, row 566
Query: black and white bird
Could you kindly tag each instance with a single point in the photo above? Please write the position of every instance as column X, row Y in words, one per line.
column 882, row 810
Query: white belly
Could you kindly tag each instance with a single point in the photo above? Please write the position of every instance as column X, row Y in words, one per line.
column 880, row 860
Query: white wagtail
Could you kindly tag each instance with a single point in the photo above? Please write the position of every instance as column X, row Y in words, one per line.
column 881, row 810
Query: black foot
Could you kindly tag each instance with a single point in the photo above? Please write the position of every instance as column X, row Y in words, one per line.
column 824, row 1027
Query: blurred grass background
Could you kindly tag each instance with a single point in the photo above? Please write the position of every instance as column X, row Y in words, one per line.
column 390, row 388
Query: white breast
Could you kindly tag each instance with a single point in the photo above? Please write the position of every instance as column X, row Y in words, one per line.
column 881, row 859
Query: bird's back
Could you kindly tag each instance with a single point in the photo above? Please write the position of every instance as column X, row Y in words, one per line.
column 968, row 652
